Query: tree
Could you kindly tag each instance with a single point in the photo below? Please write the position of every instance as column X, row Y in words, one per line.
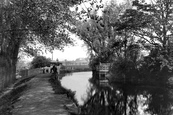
column 99, row 32
column 151, row 24
column 157, row 18
column 160, row 28
column 108, row 41
column 25, row 21
column 40, row 61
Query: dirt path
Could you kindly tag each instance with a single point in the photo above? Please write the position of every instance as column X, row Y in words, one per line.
column 40, row 99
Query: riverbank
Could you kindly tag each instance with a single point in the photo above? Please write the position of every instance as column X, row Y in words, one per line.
column 11, row 95
column 72, row 108
column 38, row 96
column 59, row 89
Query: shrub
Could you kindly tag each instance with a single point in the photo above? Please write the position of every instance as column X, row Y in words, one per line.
column 40, row 61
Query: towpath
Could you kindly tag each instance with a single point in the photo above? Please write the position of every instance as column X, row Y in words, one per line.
column 40, row 99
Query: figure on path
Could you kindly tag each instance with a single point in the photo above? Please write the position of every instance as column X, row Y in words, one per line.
column 54, row 75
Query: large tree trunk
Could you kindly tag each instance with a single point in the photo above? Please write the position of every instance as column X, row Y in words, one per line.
column 4, row 71
column 7, row 69
column 14, row 61
column 8, row 60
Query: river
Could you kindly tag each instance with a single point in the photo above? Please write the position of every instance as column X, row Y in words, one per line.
column 77, row 81
column 119, row 99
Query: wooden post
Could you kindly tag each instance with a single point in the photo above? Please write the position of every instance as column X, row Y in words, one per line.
column 103, row 71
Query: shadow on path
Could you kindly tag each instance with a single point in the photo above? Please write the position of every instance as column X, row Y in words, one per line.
column 41, row 99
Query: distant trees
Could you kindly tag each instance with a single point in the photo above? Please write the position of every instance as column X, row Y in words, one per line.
column 40, row 61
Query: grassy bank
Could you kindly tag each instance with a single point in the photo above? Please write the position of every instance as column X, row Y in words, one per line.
column 11, row 95
column 59, row 89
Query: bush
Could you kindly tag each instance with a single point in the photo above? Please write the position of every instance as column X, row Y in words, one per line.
column 40, row 61
column 123, row 68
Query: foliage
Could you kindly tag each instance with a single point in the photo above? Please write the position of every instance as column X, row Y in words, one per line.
column 26, row 21
column 110, row 37
column 150, row 24
column 23, row 22
column 47, row 22
column 158, row 34
column 119, row 34
column 40, row 61
column 154, row 21
column 155, row 67
column 21, row 64
column 99, row 32
column 127, row 68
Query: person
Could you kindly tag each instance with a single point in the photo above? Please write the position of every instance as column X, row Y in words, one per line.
column 54, row 70
column 58, row 69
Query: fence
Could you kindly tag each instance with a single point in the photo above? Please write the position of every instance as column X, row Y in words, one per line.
column 30, row 72
column 5, row 78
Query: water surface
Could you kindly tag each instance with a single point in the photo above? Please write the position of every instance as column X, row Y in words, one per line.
column 119, row 99
column 78, row 82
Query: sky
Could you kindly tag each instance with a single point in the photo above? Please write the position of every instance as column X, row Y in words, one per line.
column 70, row 52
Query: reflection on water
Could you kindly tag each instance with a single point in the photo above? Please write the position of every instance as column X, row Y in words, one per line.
column 118, row 99
column 130, row 100
column 77, row 82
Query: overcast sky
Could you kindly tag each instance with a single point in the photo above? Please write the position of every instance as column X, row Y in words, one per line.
column 70, row 52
